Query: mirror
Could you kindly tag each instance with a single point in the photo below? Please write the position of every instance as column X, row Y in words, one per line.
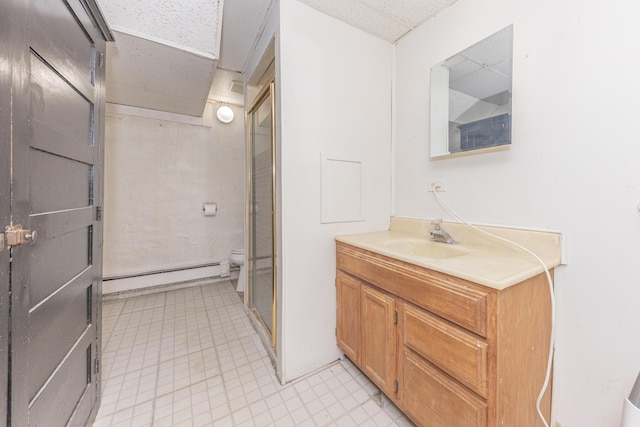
column 471, row 98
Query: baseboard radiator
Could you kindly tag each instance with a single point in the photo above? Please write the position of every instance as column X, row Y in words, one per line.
column 159, row 279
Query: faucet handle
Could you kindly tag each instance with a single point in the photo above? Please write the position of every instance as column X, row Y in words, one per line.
column 436, row 223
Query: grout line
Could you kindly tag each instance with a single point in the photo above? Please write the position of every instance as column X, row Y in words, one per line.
column 215, row 348
column 155, row 394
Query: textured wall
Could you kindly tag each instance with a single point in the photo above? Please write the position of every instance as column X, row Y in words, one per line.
column 158, row 174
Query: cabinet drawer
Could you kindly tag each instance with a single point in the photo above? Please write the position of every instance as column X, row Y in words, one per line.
column 457, row 300
column 453, row 350
column 432, row 399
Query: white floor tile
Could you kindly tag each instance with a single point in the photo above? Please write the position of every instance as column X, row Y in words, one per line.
column 191, row 357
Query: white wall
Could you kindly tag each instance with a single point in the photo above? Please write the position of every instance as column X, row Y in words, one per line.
column 335, row 96
column 159, row 169
column 573, row 165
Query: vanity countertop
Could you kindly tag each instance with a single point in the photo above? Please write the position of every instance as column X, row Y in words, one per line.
column 477, row 257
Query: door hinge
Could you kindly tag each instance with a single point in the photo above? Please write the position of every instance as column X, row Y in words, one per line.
column 395, row 386
column 395, row 317
column 97, row 366
column 101, row 59
column 98, row 213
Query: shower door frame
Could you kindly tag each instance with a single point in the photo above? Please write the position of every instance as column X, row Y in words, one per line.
column 267, row 90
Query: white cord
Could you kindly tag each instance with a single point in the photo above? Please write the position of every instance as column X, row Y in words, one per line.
column 547, row 378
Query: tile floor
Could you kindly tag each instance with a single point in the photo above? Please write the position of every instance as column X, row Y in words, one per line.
column 191, row 357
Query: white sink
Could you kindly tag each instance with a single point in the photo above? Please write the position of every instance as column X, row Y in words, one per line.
column 425, row 248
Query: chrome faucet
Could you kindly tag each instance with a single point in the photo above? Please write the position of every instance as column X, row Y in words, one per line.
column 439, row 235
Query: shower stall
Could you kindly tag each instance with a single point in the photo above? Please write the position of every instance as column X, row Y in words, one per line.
column 261, row 268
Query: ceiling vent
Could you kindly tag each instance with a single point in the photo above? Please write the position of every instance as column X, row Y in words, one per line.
column 236, row 87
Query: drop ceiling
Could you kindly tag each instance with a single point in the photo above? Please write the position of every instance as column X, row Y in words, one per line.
column 386, row 19
column 172, row 55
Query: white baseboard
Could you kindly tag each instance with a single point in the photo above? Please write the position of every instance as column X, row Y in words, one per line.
column 128, row 284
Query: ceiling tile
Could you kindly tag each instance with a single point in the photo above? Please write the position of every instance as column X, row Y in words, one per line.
column 363, row 17
column 387, row 19
column 191, row 24
column 411, row 12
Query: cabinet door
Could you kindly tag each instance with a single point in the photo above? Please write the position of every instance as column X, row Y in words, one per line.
column 348, row 315
column 379, row 338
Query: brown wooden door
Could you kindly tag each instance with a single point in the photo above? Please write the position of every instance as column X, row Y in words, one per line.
column 56, row 142
column 378, row 352
column 348, row 322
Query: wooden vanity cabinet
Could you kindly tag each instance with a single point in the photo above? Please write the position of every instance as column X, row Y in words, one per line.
column 446, row 351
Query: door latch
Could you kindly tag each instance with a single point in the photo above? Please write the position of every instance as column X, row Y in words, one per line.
column 16, row 236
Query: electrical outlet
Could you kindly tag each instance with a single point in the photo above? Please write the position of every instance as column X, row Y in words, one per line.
column 440, row 183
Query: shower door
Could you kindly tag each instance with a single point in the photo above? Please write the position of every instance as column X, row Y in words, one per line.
column 261, row 254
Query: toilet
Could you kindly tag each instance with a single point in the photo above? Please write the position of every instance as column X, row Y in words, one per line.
column 237, row 257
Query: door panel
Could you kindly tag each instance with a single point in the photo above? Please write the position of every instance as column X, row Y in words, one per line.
column 63, row 258
column 51, row 407
column 69, row 47
column 63, row 131
column 58, row 183
column 56, row 186
column 66, row 313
